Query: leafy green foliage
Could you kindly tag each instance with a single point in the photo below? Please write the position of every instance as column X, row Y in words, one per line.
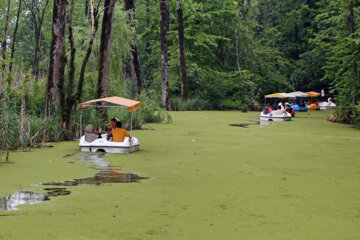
column 339, row 37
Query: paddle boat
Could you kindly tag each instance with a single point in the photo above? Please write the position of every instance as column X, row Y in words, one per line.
column 130, row 144
column 312, row 105
column 300, row 105
column 327, row 105
column 279, row 115
column 102, row 145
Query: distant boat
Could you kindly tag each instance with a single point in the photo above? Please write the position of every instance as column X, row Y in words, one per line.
column 327, row 105
column 313, row 106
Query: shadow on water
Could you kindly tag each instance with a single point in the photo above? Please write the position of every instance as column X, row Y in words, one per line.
column 101, row 178
column 107, row 174
column 243, row 125
column 250, row 122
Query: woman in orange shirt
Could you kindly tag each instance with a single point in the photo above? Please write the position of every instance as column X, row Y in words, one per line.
column 119, row 133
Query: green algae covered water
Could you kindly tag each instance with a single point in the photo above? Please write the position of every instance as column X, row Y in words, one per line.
column 207, row 179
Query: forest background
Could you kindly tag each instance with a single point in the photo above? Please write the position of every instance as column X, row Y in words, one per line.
column 169, row 54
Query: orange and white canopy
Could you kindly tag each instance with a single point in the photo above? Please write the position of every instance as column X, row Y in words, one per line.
column 132, row 105
column 277, row 95
column 297, row 94
column 313, row 94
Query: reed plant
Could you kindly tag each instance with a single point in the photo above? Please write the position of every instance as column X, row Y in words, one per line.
column 191, row 104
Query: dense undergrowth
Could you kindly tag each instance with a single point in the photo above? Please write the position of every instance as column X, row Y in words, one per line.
column 23, row 124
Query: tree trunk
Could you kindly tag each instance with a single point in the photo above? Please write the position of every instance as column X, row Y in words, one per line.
column 35, row 65
column 94, row 25
column 104, row 62
column 183, row 77
column 6, row 31
column 14, row 36
column 57, row 56
column 86, row 8
column 133, row 65
column 38, row 16
column 148, row 50
column 66, row 100
column 4, row 43
column 164, row 28
column 69, row 100
column 354, row 65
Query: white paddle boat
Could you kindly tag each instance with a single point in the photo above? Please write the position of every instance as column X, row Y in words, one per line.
column 279, row 115
column 327, row 105
column 102, row 145
column 130, row 144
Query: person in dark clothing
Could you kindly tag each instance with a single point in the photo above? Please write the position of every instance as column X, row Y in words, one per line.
column 112, row 125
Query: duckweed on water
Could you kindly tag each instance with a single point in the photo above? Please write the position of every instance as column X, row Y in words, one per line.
column 290, row 180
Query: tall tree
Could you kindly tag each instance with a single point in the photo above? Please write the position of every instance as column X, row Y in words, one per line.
column 183, row 76
column 164, row 28
column 104, row 62
column 354, row 66
column 38, row 16
column 57, row 56
column 14, row 36
column 132, row 65
column 6, row 30
column 4, row 43
column 68, row 98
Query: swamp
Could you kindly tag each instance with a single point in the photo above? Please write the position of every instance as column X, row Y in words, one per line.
column 202, row 179
column 180, row 119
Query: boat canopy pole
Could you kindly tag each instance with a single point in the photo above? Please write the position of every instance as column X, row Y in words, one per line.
column 131, row 123
column 80, row 124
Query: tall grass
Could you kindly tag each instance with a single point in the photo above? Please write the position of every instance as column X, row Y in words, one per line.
column 21, row 131
column 191, row 104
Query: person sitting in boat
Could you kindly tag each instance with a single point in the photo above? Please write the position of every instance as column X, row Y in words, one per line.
column 281, row 106
column 91, row 134
column 267, row 110
column 289, row 109
column 280, row 110
column 119, row 133
column 303, row 105
column 112, row 125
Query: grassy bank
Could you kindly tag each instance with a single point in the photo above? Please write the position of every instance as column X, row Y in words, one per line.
column 290, row 180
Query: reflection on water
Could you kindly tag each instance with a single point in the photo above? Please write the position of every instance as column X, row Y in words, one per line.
column 93, row 160
column 11, row 201
column 107, row 174
column 96, row 159
column 101, row 178
column 54, row 192
column 261, row 122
